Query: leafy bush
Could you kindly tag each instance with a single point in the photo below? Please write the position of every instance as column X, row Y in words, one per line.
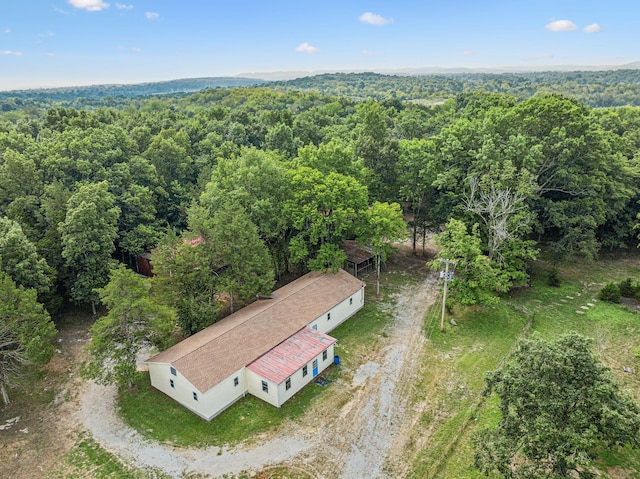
column 629, row 289
column 610, row 293
column 554, row 278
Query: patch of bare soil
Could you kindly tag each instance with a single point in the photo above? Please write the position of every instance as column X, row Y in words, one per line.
column 630, row 303
column 47, row 428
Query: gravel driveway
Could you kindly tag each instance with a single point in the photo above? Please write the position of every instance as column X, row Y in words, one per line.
column 363, row 438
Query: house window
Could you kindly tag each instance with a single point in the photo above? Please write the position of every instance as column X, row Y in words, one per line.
column 195, row 396
column 304, row 370
column 324, row 355
column 173, row 371
column 287, row 384
column 328, row 316
column 236, row 381
column 173, row 385
column 265, row 386
column 350, row 301
column 315, row 326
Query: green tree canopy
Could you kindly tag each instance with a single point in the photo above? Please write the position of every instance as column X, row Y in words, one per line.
column 324, row 209
column 231, row 238
column 186, row 277
column 26, row 332
column 476, row 280
column 20, row 259
column 88, row 234
column 381, row 225
column 134, row 320
column 557, row 403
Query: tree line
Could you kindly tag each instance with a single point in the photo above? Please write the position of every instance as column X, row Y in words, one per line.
column 233, row 188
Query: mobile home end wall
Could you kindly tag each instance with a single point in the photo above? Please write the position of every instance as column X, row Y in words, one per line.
column 208, row 404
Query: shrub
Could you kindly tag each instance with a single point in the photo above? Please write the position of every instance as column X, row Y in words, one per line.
column 610, row 293
column 554, row 278
column 628, row 288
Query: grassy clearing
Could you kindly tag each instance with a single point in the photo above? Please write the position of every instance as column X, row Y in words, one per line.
column 88, row 459
column 154, row 415
column 455, row 368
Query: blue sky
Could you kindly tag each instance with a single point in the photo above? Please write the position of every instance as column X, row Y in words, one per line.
column 79, row 42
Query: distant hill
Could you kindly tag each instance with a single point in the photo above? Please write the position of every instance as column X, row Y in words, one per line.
column 186, row 85
column 605, row 88
column 284, row 75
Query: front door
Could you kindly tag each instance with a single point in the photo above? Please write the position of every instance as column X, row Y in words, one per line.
column 315, row 368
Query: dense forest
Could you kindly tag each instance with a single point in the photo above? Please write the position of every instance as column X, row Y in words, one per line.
column 593, row 88
column 81, row 96
column 233, row 188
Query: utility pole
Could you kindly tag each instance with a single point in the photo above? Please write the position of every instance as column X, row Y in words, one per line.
column 444, row 291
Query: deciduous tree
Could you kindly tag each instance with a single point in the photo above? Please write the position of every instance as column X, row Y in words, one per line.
column 476, row 280
column 232, row 239
column 134, row 320
column 20, row 259
column 381, row 225
column 26, row 332
column 88, row 234
column 557, row 403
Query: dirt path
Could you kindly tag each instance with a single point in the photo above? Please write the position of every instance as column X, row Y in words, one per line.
column 365, row 437
column 98, row 416
column 368, row 436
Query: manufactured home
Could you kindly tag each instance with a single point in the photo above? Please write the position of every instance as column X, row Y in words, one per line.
column 271, row 348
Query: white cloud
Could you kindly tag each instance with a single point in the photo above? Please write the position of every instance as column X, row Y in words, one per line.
column 469, row 53
column 561, row 26
column 136, row 50
column 152, row 15
column 122, row 6
column 89, row 5
column 367, row 53
column 593, row 28
column 374, row 19
column 7, row 30
column 11, row 53
column 306, row 48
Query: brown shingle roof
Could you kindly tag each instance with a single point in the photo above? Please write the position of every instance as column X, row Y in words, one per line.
column 213, row 354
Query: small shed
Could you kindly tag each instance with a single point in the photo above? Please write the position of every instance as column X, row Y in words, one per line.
column 359, row 258
column 143, row 264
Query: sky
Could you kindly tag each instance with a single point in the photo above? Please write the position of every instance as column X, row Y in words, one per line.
column 49, row 43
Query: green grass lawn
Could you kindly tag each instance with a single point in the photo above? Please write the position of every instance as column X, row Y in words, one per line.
column 89, row 459
column 458, row 359
column 455, row 365
column 155, row 415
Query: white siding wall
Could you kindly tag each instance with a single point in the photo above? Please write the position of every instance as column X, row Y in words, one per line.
column 182, row 390
column 208, row 405
column 254, row 386
column 298, row 381
column 339, row 313
column 224, row 394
